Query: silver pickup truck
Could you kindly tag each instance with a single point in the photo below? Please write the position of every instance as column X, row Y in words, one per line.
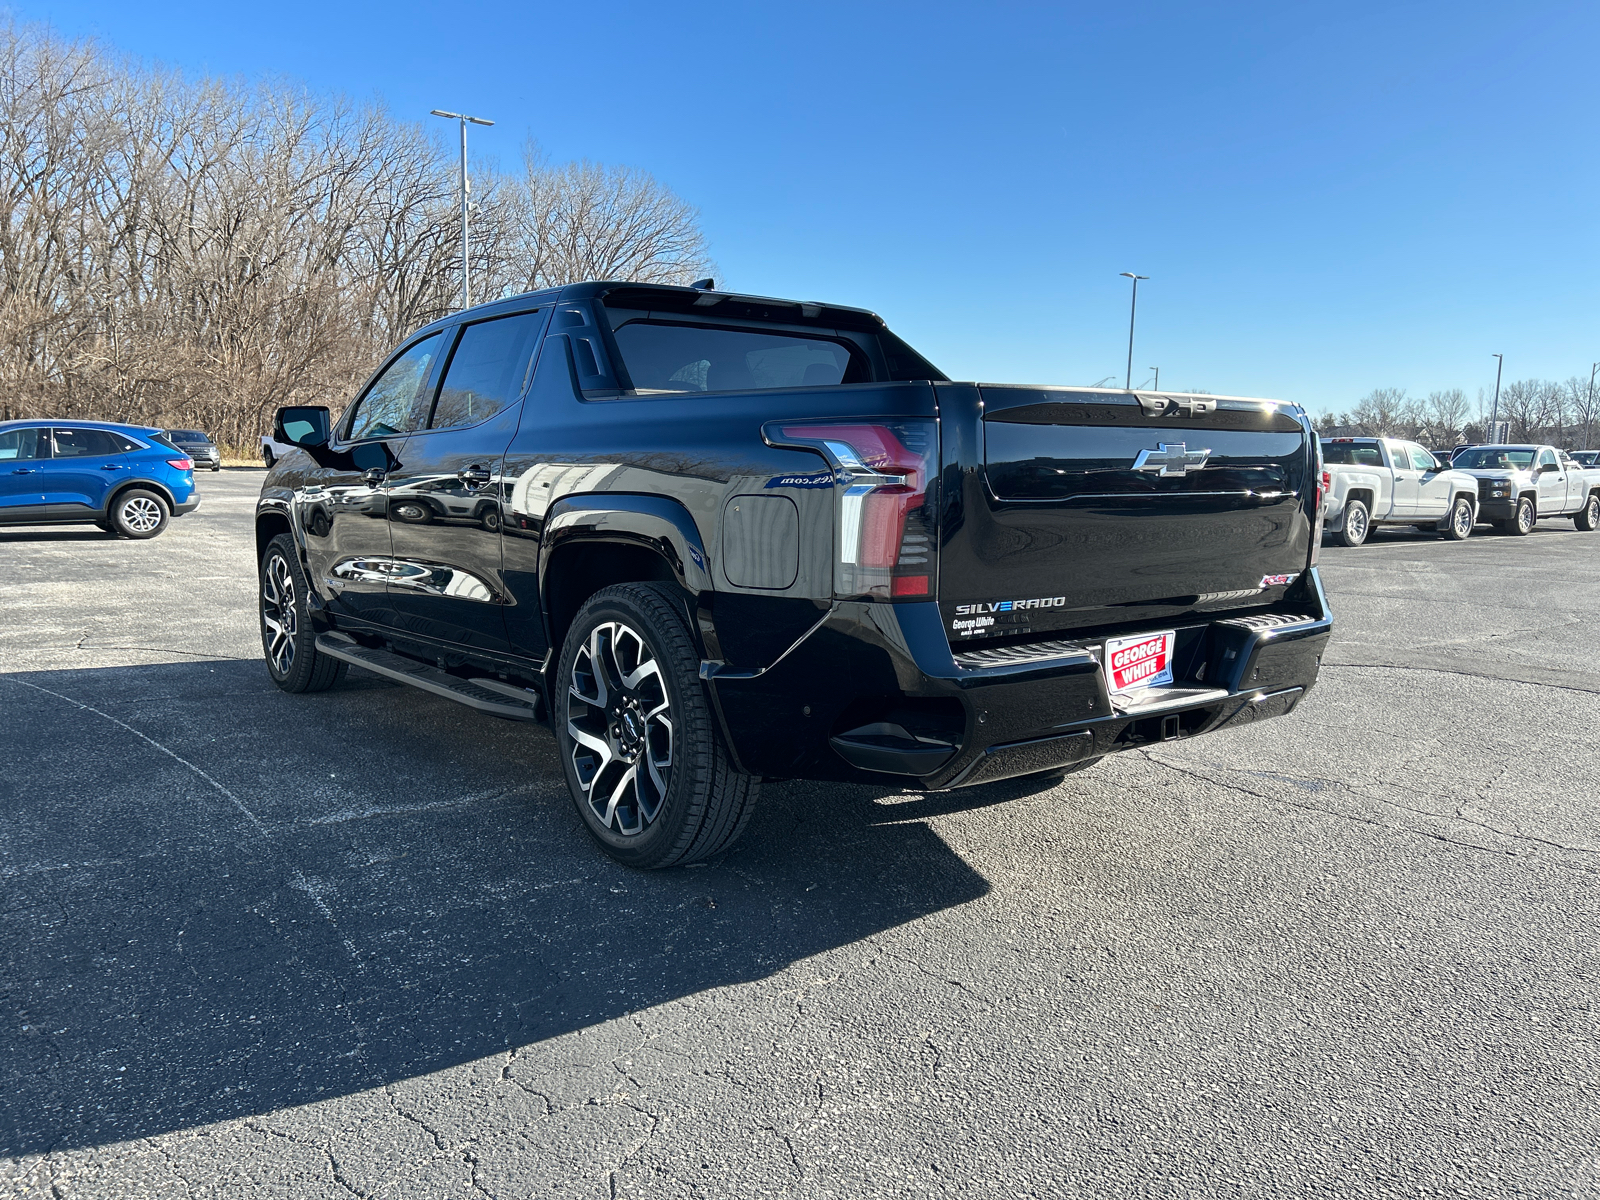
column 1385, row 481
column 1521, row 485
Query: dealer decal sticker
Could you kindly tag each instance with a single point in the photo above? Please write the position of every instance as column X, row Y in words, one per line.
column 821, row 479
column 1139, row 662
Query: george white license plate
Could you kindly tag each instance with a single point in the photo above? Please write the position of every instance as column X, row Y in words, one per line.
column 1139, row 662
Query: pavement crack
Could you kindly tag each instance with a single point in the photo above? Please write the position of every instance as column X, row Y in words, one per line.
column 1537, row 683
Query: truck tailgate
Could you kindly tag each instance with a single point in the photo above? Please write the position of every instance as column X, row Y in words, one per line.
column 1094, row 510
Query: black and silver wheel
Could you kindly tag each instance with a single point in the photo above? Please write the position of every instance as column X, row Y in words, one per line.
column 266, row 456
column 1522, row 523
column 1459, row 527
column 1357, row 524
column 287, row 639
column 137, row 513
column 644, row 760
column 412, row 512
column 1587, row 518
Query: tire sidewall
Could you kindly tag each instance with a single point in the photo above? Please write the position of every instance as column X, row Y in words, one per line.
column 690, row 721
column 1366, row 524
column 1451, row 531
column 304, row 641
column 122, row 500
column 1525, row 505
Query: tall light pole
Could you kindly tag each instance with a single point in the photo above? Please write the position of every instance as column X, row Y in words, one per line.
column 1133, row 311
column 1588, row 408
column 1494, row 409
column 1156, row 387
column 466, row 187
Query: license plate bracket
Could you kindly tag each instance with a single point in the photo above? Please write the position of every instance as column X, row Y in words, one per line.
column 1144, row 660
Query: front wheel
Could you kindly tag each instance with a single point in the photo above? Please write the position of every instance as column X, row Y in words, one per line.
column 1357, row 524
column 287, row 639
column 1459, row 527
column 644, row 760
column 1588, row 518
column 139, row 514
column 1522, row 523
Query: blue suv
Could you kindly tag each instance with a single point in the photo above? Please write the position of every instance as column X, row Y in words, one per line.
column 123, row 478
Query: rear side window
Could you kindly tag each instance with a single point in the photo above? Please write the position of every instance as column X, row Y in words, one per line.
column 90, row 443
column 18, row 444
column 666, row 358
column 390, row 404
column 487, row 371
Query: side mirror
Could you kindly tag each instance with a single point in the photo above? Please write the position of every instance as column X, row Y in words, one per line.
column 1543, row 467
column 302, row 425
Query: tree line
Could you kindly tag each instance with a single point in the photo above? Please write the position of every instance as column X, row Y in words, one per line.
column 1563, row 414
column 195, row 253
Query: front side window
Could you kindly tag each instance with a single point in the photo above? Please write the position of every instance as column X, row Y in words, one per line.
column 390, row 404
column 1547, row 458
column 487, row 370
column 1422, row 460
column 17, row 444
column 666, row 358
column 89, row 443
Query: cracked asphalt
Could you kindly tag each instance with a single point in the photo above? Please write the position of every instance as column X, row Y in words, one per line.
column 357, row 944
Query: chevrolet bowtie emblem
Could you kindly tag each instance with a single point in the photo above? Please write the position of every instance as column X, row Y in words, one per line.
column 1176, row 459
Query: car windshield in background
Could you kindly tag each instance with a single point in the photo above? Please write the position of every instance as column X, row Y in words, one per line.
column 188, row 435
column 1493, row 458
column 666, row 358
column 1347, row 455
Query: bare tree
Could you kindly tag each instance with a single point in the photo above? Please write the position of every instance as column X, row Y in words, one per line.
column 199, row 252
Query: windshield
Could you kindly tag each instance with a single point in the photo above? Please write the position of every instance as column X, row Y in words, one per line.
column 1494, row 458
column 187, row 435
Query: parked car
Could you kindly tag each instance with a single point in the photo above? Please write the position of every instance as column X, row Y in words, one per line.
column 272, row 450
column 1446, row 456
column 198, row 446
column 1384, row 481
column 124, row 478
column 1586, row 458
column 1519, row 485
column 743, row 538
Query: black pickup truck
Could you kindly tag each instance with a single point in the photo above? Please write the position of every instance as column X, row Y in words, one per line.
column 712, row 539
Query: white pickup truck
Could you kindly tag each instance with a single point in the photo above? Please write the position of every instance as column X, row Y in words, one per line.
column 1385, row 481
column 1520, row 485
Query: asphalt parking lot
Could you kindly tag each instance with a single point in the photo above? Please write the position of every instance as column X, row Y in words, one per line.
column 358, row 944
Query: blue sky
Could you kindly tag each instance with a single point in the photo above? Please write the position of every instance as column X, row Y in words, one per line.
column 1327, row 197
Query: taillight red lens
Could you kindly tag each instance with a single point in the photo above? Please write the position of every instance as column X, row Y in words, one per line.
column 183, row 464
column 882, row 477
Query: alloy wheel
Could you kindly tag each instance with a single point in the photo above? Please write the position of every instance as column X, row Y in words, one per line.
column 141, row 514
column 1357, row 522
column 1525, row 517
column 279, row 619
column 619, row 717
column 1463, row 519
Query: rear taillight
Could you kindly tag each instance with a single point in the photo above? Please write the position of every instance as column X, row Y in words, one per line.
column 884, row 475
column 183, row 464
column 1324, row 488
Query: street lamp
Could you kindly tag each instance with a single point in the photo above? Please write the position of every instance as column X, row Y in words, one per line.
column 1127, row 382
column 1588, row 408
column 1494, row 409
column 1156, row 387
column 466, row 279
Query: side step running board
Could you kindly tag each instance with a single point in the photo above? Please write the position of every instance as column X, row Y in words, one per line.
column 488, row 696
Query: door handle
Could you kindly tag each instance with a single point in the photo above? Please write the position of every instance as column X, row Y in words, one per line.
column 25, row 470
column 474, row 476
column 113, row 467
column 373, row 477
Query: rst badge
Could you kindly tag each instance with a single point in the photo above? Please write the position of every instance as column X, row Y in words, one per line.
column 1139, row 662
column 1278, row 580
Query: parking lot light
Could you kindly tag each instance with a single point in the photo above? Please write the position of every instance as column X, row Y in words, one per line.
column 466, row 270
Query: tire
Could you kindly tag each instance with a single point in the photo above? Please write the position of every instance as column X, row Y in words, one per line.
column 489, row 518
column 1458, row 528
column 1357, row 524
column 1587, row 518
column 666, row 792
column 1522, row 524
column 412, row 512
column 139, row 514
column 216, row 468
column 288, row 642
column 266, row 457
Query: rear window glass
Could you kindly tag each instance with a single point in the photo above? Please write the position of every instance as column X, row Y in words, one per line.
column 90, row 443
column 487, row 370
column 1489, row 458
column 668, row 358
column 1345, row 454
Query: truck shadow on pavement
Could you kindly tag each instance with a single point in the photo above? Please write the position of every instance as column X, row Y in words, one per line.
column 221, row 900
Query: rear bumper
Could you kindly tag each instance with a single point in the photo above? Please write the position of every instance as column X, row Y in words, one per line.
column 874, row 693
column 188, row 506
